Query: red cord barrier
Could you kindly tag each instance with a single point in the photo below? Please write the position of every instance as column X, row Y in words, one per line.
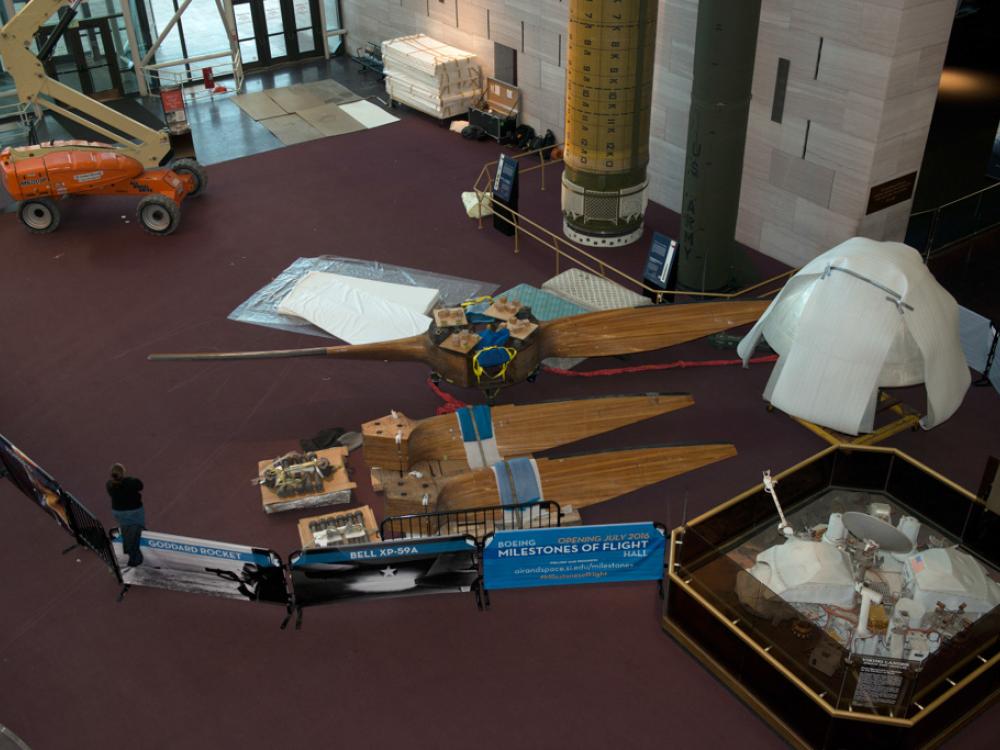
column 452, row 404
column 680, row 364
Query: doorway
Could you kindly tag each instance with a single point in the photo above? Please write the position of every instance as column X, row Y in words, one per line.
column 86, row 58
column 271, row 32
column 505, row 63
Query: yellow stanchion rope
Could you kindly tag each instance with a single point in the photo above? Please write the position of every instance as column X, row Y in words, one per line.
column 477, row 300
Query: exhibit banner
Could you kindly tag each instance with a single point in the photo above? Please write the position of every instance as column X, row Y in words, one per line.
column 201, row 566
column 568, row 555
column 34, row 482
column 398, row 568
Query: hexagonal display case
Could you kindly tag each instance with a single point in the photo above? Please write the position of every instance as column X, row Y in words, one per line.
column 854, row 603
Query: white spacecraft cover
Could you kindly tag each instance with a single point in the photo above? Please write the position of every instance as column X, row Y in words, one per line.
column 352, row 312
column 829, row 374
column 804, row 571
column 953, row 577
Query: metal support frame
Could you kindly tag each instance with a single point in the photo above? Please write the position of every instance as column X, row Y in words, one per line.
column 166, row 30
column 146, row 69
column 35, row 88
column 322, row 24
column 907, row 419
column 133, row 44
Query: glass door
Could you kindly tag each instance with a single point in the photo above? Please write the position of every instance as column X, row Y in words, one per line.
column 85, row 58
column 100, row 73
column 276, row 31
column 246, row 34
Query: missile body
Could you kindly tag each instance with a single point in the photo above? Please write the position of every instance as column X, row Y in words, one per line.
column 609, row 91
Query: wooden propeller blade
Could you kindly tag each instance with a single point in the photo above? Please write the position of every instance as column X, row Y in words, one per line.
column 413, row 348
column 643, row 329
column 530, row 428
column 590, row 479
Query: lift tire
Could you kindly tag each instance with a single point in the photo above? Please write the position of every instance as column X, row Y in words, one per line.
column 39, row 215
column 158, row 214
column 193, row 168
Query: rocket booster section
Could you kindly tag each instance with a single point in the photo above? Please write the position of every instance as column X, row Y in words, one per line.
column 609, row 89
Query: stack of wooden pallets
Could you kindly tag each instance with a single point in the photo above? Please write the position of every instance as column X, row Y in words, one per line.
column 431, row 76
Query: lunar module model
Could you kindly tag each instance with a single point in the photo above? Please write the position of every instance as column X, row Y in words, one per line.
column 881, row 586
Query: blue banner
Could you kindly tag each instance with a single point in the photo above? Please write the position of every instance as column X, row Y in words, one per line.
column 568, row 555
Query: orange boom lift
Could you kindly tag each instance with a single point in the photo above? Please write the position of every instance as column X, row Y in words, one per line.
column 39, row 176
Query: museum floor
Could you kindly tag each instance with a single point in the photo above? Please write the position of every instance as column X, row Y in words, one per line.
column 581, row 667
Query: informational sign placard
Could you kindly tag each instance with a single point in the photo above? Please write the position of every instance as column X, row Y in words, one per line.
column 34, row 482
column 661, row 264
column 580, row 554
column 890, row 193
column 384, row 569
column 503, row 183
column 880, row 681
column 505, row 195
column 202, row 566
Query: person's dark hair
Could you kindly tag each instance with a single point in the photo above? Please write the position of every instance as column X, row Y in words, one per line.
column 117, row 472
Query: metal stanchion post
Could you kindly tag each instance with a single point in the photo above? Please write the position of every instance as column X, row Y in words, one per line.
column 929, row 246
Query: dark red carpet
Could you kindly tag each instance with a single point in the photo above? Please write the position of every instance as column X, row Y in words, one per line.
column 563, row 668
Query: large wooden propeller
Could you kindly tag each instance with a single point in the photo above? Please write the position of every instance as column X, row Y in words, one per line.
column 585, row 480
column 608, row 333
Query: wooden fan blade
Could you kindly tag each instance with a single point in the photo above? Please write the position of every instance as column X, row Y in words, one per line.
column 643, row 329
column 590, row 479
column 530, row 428
column 413, row 348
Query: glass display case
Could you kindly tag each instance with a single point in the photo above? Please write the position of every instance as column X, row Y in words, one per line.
column 858, row 604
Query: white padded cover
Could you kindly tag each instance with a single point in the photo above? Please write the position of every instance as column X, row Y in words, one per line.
column 950, row 576
column 347, row 308
column 861, row 316
column 805, row 571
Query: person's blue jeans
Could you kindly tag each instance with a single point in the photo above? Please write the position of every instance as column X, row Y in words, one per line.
column 131, row 523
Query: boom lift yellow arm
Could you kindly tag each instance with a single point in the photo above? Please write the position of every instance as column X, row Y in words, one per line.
column 149, row 147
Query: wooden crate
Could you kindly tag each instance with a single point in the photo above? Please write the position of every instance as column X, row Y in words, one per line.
column 306, row 536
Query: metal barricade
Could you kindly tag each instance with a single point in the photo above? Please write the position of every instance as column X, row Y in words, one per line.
column 16, row 117
column 187, row 74
column 476, row 522
column 90, row 533
column 935, row 230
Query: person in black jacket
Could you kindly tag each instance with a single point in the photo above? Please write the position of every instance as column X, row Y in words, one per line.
column 126, row 506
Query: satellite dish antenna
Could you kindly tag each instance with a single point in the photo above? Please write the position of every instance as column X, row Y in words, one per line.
column 885, row 535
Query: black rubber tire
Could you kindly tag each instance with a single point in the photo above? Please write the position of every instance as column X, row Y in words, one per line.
column 191, row 167
column 39, row 215
column 158, row 215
